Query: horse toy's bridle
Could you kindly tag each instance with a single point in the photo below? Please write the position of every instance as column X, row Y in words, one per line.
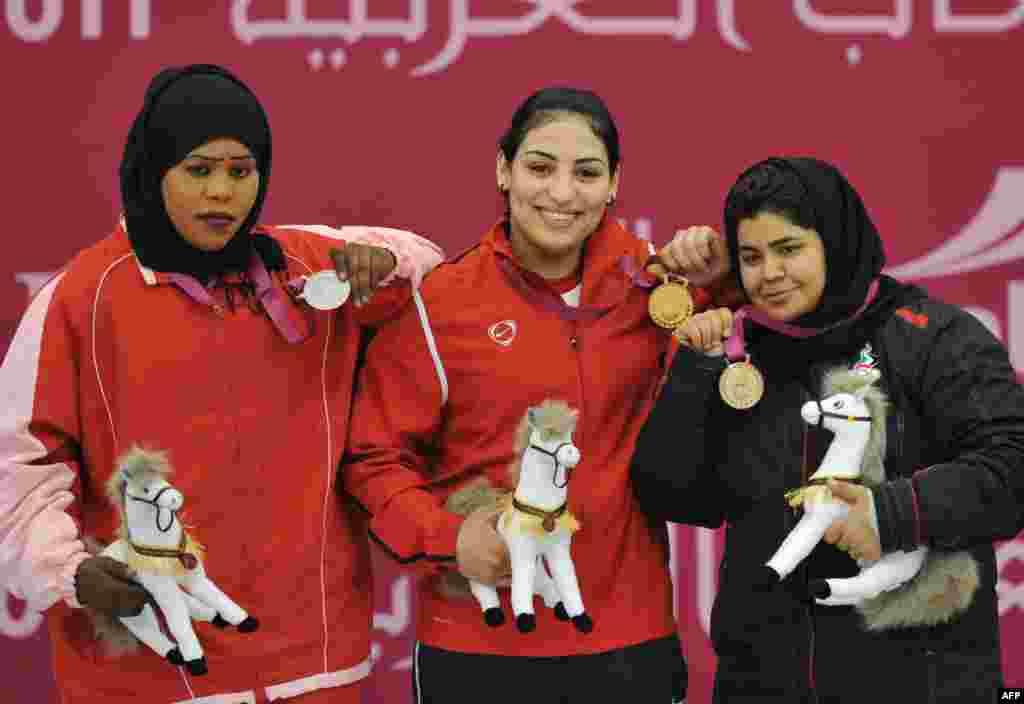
column 153, row 502
column 829, row 414
column 554, row 456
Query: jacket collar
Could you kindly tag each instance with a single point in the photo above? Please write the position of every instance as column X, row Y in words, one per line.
column 605, row 277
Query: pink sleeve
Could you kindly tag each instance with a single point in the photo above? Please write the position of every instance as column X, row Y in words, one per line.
column 40, row 545
column 415, row 255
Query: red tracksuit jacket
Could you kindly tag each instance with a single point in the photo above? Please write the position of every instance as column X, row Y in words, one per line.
column 437, row 404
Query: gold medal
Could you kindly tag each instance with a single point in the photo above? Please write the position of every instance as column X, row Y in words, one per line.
column 670, row 304
column 741, row 385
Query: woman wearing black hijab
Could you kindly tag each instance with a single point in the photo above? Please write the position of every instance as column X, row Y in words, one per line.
column 810, row 262
column 193, row 330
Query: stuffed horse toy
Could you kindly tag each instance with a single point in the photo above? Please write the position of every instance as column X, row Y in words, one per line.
column 902, row 588
column 481, row 494
column 154, row 543
column 536, row 524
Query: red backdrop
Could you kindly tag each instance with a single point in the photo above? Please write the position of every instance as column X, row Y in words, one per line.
column 387, row 112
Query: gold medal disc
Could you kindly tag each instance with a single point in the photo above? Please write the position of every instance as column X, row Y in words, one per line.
column 741, row 385
column 670, row 304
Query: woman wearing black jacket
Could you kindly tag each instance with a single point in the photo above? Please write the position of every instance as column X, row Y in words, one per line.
column 810, row 262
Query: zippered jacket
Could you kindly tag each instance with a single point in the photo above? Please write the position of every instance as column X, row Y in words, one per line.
column 111, row 354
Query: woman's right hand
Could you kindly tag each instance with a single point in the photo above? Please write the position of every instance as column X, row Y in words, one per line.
column 706, row 332
column 480, row 550
column 108, row 586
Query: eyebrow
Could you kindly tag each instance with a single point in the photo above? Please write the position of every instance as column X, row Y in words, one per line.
column 774, row 243
column 217, row 158
column 554, row 158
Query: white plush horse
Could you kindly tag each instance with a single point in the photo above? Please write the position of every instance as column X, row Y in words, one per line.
column 887, row 591
column 164, row 556
column 537, row 523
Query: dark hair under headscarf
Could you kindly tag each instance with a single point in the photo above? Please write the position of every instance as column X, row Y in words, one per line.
column 813, row 194
column 184, row 108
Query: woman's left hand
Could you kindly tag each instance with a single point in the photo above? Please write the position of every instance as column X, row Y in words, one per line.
column 698, row 253
column 364, row 266
column 854, row 534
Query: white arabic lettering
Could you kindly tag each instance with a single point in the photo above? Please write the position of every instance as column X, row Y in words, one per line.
column 727, row 25
column 398, row 619
column 946, row 22
column 896, row 27
column 359, row 24
column 463, row 26
column 92, row 19
column 34, row 30
column 678, row 27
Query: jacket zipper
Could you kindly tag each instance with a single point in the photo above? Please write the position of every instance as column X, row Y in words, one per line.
column 805, row 472
column 574, row 343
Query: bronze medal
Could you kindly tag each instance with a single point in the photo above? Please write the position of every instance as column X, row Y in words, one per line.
column 549, row 523
column 670, row 304
column 741, row 385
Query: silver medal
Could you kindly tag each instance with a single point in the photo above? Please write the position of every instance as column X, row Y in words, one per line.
column 324, row 290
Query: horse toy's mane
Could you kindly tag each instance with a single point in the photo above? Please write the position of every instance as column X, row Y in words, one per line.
column 862, row 384
column 138, row 466
column 551, row 419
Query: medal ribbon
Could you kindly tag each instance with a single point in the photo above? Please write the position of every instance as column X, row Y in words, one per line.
column 540, row 294
column 292, row 326
column 735, row 345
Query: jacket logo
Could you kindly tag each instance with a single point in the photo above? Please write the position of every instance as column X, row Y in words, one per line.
column 919, row 320
column 503, row 332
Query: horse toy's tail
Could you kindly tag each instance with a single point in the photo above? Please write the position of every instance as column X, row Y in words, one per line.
column 113, row 636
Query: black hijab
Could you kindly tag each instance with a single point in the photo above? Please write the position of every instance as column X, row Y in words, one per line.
column 815, row 195
column 184, row 108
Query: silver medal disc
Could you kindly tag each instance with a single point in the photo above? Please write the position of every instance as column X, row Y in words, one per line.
column 325, row 291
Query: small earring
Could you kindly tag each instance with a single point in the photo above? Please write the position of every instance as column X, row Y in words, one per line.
column 501, row 188
column 611, row 199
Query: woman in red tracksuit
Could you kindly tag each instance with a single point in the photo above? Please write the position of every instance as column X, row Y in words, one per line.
column 177, row 332
column 547, row 305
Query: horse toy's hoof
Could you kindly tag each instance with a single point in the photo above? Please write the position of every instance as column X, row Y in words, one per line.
column 526, row 623
column 764, row 579
column 174, row 657
column 583, row 623
column 248, row 625
column 494, row 616
column 560, row 613
column 819, row 589
column 196, row 667
column 219, row 621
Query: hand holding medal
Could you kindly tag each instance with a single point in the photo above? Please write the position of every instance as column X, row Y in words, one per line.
column 741, row 385
column 696, row 256
column 706, row 332
column 358, row 270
